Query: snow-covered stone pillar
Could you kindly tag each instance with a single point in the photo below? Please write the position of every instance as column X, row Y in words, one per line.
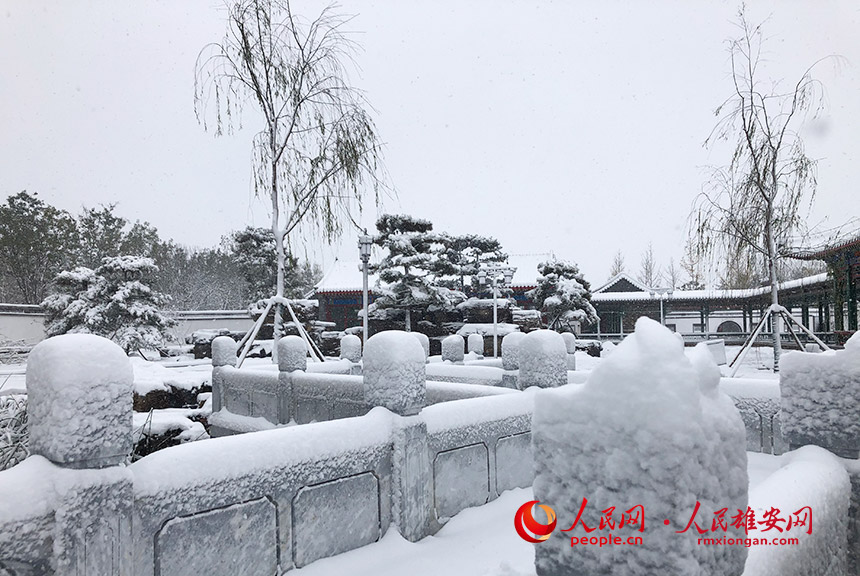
column 452, row 349
column 395, row 378
column 543, row 360
column 476, row 344
column 394, row 372
column 79, row 389
column 511, row 359
column 570, row 346
column 292, row 357
column 350, row 348
column 648, row 447
column 80, row 416
column 224, row 351
column 425, row 343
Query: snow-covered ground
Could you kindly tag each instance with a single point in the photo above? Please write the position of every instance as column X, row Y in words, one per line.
column 476, row 542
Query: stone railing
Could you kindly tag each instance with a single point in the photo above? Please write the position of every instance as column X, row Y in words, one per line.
column 251, row 503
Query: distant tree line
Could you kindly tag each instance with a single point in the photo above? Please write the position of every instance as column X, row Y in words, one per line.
column 39, row 241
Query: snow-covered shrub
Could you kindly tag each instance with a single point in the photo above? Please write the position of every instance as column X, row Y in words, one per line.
column 476, row 344
column 511, row 350
column 648, row 429
column 113, row 301
column 452, row 349
column 820, row 398
column 543, row 360
column 394, row 372
column 14, row 439
column 79, row 390
column 350, row 348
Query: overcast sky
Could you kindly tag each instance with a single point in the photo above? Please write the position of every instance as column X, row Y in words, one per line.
column 575, row 127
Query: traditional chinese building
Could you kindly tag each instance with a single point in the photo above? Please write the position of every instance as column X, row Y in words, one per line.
column 842, row 256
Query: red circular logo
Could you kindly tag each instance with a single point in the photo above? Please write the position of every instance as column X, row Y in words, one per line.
column 524, row 522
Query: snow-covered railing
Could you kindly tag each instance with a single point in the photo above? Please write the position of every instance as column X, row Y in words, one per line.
column 758, row 403
column 247, row 400
column 814, row 486
column 254, row 503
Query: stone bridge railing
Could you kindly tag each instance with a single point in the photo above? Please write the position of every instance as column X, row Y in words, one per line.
column 244, row 504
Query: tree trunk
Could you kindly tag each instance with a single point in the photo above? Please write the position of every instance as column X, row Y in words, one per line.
column 279, row 251
column 408, row 320
column 774, row 290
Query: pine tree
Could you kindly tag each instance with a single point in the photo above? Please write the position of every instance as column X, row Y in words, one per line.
column 113, row 301
column 563, row 295
column 467, row 253
column 412, row 274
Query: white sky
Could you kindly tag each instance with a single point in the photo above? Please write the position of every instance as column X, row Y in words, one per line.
column 575, row 127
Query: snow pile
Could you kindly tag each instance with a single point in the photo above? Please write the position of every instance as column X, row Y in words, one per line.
column 292, row 354
column 169, row 420
column 608, row 349
column 394, row 372
column 151, row 376
column 649, row 428
column 79, row 398
column 511, row 350
column 452, row 349
column 350, row 348
column 543, row 360
column 814, row 478
column 476, row 344
column 821, row 398
column 424, row 341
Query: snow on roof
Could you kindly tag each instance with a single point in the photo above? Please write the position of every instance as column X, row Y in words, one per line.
column 710, row 294
column 345, row 275
column 816, row 246
column 617, row 278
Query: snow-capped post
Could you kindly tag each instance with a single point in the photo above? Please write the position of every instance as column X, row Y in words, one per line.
column 511, row 359
column 80, row 408
column 224, row 351
column 394, row 372
column 476, row 344
column 292, row 354
column 452, row 349
column 79, row 389
column 820, row 399
column 570, row 345
column 425, row 343
column 350, row 348
column 394, row 378
column 543, row 360
column 648, row 447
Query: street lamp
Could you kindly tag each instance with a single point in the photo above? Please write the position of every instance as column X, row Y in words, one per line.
column 661, row 292
column 495, row 273
column 365, row 243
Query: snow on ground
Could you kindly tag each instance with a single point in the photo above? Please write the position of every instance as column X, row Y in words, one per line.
column 476, row 542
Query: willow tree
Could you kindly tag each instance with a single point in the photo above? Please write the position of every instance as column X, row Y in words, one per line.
column 753, row 206
column 317, row 153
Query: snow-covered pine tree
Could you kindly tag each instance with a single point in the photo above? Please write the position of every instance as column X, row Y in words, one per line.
column 467, row 253
column 412, row 274
column 113, row 301
column 563, row 295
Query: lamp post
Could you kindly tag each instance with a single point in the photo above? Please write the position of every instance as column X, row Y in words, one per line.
column 494, row 273
column 365, row 243
column 660, row 292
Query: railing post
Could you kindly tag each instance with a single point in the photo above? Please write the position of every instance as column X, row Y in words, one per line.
column 80, row 401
